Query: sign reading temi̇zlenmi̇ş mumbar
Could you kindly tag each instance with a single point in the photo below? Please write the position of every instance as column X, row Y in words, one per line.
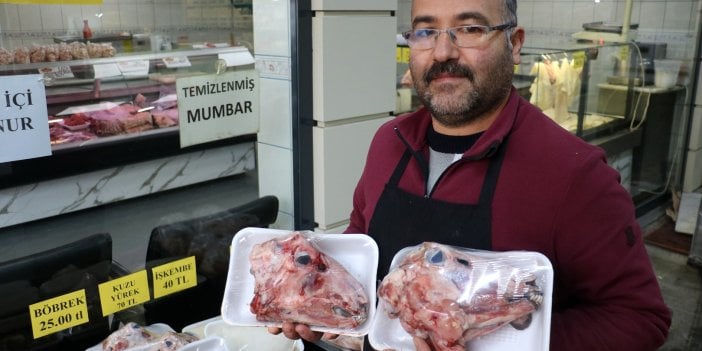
column 219, row 106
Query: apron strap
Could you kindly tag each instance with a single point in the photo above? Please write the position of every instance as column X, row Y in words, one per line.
column 400, row 168
column 490, row 183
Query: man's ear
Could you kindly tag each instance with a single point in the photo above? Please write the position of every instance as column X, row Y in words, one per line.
column 517, row 40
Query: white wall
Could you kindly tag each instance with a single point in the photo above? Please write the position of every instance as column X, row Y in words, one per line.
column 274, row 148
column 191, row 20
column 670, row 21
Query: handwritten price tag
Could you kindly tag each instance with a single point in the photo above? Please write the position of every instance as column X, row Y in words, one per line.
column 173, row 277
column 578, row 59
column 59, row 313
column 124, row 292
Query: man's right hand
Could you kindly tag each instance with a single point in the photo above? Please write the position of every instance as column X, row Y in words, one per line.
column 296, row 331
column 421, row 344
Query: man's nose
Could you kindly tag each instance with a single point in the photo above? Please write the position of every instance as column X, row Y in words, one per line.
column 444, row 48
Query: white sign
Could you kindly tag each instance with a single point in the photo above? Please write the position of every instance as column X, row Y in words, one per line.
column 24, row 121
column 215, row 107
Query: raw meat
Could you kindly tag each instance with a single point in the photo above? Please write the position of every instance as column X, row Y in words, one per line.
column 296, row 282
column 166, row 118
column 171, row 341
column 120, row 119
column 130, row 335
column 450, row 296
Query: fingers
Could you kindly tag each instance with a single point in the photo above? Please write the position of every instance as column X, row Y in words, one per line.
column 421, row 344
column 306, row 333
column 274, row 330
column 329, row 336
column 296, row 331
column 289, row 331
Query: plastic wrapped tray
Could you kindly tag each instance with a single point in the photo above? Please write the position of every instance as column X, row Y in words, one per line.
column 157, row 328
column 388, row 333
column 358, row 254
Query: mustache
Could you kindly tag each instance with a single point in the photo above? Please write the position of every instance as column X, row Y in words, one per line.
column 448, row 67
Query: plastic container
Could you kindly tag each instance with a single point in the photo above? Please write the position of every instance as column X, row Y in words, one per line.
column 388, row 333
column 666, row 73
column 357, row 253
column 250, row 338
column 156, row 329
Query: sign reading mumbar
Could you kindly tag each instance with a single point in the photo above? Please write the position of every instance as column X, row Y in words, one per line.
column 215, row 107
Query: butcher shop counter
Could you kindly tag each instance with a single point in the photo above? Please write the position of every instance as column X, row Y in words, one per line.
column 110, row 132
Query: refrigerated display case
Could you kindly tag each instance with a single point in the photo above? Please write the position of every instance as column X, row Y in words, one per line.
column 602, row 92
column 111, row 111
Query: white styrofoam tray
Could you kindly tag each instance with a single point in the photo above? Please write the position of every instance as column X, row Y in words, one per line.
column 358, row 254
column 387, row 333
column 238, row 338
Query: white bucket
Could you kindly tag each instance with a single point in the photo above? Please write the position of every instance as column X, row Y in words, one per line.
column 666, row 73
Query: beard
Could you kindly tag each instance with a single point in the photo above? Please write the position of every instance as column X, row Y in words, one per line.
column 454, row 108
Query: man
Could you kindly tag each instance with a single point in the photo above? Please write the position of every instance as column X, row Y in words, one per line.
column 480, row 167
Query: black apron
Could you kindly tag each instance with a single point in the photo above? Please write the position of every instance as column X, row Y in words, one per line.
column 402, row 219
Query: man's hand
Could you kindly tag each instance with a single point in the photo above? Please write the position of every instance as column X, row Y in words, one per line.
column 296, row 331
column 421, row 344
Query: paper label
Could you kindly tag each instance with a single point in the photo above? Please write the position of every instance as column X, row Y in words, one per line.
column 124, row 292
column 24, row 121
column 578, row 59
column 402, row 54
column 59, row 313
column 173, row 277
column 175, row 62
column 57, row 72
column 106, row 70
column 237, row 58
column 215, row 107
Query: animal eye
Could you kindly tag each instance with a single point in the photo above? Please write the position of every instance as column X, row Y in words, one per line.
column 435, row 256
column 463, row 262
column 303, row 258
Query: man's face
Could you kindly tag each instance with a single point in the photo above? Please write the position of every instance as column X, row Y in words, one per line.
column 460, row 85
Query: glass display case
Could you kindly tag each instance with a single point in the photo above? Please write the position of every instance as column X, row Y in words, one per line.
column 109, row 109
column 605, row 93
column 586, row 88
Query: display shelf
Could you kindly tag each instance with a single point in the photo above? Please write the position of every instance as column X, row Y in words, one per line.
column 126, row 131
column 124, row 57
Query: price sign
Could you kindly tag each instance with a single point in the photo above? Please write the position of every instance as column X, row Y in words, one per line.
column 578, row 59
column 173, row 277
column 59, row 313
column 124, row 292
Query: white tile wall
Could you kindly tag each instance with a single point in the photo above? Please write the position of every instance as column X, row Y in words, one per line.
column 275, row 175
column 696, row 129
column 338, row 166
column 276, row 115
column 693, row 171
column 275, row 158
column 272, row 25
column 114, row 15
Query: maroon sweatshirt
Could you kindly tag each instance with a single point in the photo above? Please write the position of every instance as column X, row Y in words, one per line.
column 555, row 195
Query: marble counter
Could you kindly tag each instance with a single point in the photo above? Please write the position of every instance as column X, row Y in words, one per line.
column 64, row 195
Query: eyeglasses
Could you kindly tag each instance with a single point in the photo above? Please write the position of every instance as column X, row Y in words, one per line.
column 462, row 36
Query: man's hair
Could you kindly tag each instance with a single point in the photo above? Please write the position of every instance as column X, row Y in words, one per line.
column 510, row 15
